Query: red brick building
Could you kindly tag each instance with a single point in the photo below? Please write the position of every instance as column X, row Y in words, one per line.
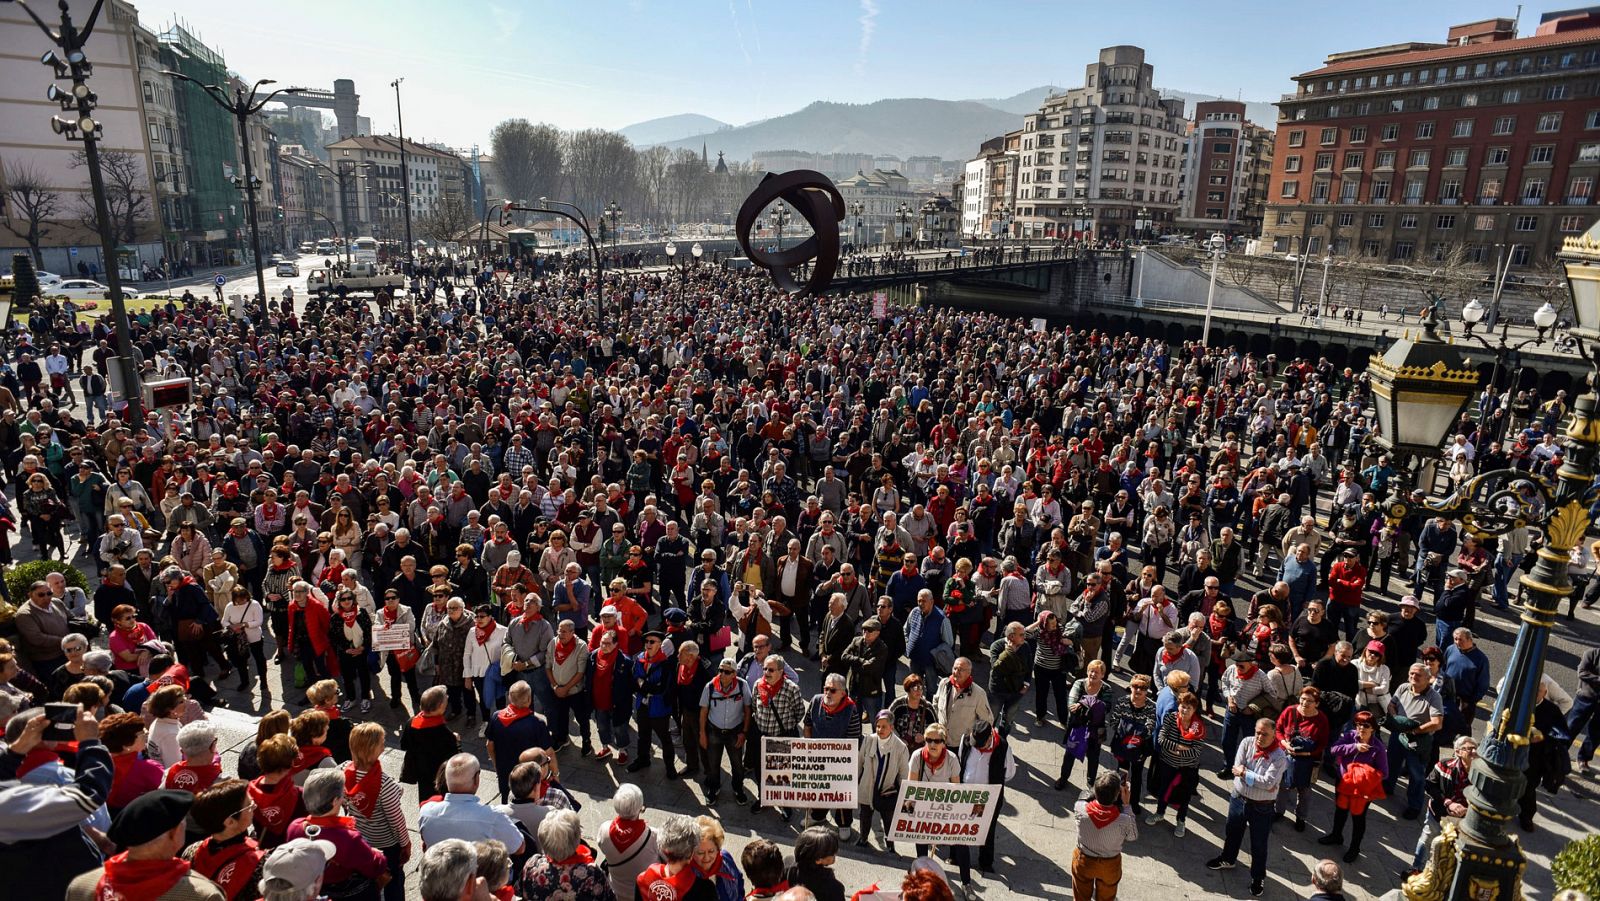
column 1403, row 152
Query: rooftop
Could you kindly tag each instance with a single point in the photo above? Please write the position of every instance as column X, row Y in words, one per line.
column 1581, row 27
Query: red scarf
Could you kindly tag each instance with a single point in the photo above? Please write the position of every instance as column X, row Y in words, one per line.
column 766, row 691
column 128, row 629
column 349, row 617
column 36, row 758
column 275, row 804
column 1195, row 731
column 1169, row 659
column 532, row 614
column 1245, row 670
column 139, row 880
column 483, row 633
column 512, row 713
column 427, row 721
column 505, row 893
column 931, row 763
column 957, row 687
column 1102, row 815
column 834, row 710
column 772, row 891
column 686, row 673
column 584, row 855
column 332, row 710
column 655, row 883
column 193, row 779
column 308, row 758
column 388, row 616
column 563, row 651
column 231, row 867
column 1266, row 752
column 625, row 832
column 361, row 792
column 1216, row 624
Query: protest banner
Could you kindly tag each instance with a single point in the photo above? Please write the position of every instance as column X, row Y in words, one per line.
column 391, row 638
column 809, row 772
column 944, row 813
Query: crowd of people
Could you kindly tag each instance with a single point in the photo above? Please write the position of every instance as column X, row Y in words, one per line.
column 718, row 515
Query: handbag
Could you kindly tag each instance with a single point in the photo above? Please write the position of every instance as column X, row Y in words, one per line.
column 407, row 659
column 1078, row 742
column 944, row 659
column 720, row 640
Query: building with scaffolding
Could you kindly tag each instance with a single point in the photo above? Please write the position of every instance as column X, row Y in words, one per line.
column 214, row 225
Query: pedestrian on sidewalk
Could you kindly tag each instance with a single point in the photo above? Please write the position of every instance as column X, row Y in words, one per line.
column 1258, row 769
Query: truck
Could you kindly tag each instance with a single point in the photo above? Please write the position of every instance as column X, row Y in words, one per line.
column 359, row 277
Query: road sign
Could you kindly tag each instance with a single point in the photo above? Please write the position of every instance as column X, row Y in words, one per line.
column 72, row 251
column 220, row 280
column 880, row 305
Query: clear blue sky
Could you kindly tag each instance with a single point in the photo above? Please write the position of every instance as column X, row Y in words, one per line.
column 470, row 63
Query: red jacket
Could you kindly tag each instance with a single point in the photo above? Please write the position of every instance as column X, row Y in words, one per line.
column 317, row 620
column 1347, row 581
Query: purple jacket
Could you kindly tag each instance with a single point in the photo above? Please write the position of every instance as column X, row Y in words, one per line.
column 1345, row 753
column 354, row 855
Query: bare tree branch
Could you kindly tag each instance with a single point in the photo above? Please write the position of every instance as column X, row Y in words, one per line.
column 32, row 201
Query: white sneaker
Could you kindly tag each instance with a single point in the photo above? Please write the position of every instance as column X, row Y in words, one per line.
column 1152, row 819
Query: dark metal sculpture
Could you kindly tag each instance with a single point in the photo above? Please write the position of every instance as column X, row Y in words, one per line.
column 818, row 201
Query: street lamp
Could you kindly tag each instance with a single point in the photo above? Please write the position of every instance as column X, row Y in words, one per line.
column 1544, row 319
column 930, row 220
column 1143, row 223
column 672, row 251
column 1085, row 218
column 79, row 125
column 242, row 107
column 855, row 210
column 1217, row 248
column 697, row 251
column 780, row 217
column 614, row 213
column 903, row 214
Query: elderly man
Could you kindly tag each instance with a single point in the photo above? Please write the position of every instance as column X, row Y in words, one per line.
column 1416, row 712
column 512, row 730
column 462, row 814
column 960, row 701
column 150, row 828
column 1258, row 769
column 41, row 622
column 1451, row 606
column 1468, row 667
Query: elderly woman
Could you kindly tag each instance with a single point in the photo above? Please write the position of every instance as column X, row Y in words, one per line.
column 714, row 863
column 357, row 870
column 128, row 637
column 564, row 867
column 374, row 799
column 220, row 576
column 815, row 851
column 627, row 842
column 45, row 514
column 449, row 638
column 74, row 646
column 674, row 877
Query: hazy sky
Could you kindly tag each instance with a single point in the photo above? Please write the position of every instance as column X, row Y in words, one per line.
column 468, row 64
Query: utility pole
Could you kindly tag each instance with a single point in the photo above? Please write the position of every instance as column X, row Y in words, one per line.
column 405, row 169
column 80, row 101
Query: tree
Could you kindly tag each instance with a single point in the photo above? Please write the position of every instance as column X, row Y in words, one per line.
column 601, row 166
column 653, row 164
column 34, row 201
column 24, row 281
column 127, row 200
column 1280, row 275
column 451, row 217
column 528, row 159
column 1454, row 275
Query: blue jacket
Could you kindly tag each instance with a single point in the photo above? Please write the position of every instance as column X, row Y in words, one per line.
column 903, row 590
column 655, row 694
column 1302, row 579
column 923, row 635
column 1470, row 671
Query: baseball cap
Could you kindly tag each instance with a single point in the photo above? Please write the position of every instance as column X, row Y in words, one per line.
column 298, row 863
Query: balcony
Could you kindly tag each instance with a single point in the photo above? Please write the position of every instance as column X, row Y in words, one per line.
column 1577, row 201
column 1531, row 201
column 1449, row 201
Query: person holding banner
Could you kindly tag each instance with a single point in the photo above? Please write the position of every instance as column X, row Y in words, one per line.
column 935, row 763
column 986, row 759
column 884, row 761
column 832, row 714
column 778, row 711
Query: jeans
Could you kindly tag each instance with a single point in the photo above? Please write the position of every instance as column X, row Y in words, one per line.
column 718, row 742
column 1257, row 816
column 1581, row 715
column 1348, row 617
column 613, row 728
column 1049, row 681
column 1442, row 632
column 1005, row 705
column 1503, row 570
column 357, row 677
column 1404, row 761
column 661, row 728
column 573, row 706
column 1233, row 729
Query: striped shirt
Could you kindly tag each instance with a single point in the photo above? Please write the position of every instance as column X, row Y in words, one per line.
column 386, row 828
column 1263, row 773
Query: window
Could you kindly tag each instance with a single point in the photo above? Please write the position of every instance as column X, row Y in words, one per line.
column 1589, row 153
column 1213, row 180
column 1408, row 220
column 1330, row 136
column 1505, row 125
column 1380, row 191
column 1424, row 130
column 1483, row 223
column 1290, row 189
column 1391, row 132
column 1291, row 164
column 1497, row 156
column 1572, row 223
column 1533, row 189
column 1520, row 254
column 1461, row 129
column 1592, row 120
column 1222, row 147
column 1450, row 189
column 1297, row 138
column 1221, row 165
column 1404, row 250
column 1526, row 223
column 155, row 131
column 1284, row 217
column 1455, row 156
column 1579, row 189
column 1345, row 220
column 1319, row 192
column 1384, row 159
column 1511, row 95
column 1376, row 220
column 1556, row 92
column 1489, row 191
column 1549, row 122
column 1469, row 99
column 1314, row 245
column 1353, row 159
column 1419, row 159
column 1358, row 133
column 1369, row 248
column 1349, row 190
column 149, row 93
column 1542, row 153
column 1324, row 161
column 1444, row 222
column 1430, row 103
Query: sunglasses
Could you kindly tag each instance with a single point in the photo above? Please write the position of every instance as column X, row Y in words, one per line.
column 934, row 741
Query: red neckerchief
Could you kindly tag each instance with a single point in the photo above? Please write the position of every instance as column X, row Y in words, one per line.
column 308, row 758
column 686, row 673
column 658, row 657
column 275, row 804
column 225, row 867
column 1216, row 624
column 361, row 792
column 563, row 651
column 625, row 832
column 929, row 763
column 1169, row 659
column 389, row 617
column 993, row 743
column 506, row 892
column 766, row 690
column 139, row 880
column 604, row 661
column 483, row 633
column 770, row 891
column 426, row 721
column 656, row 883
column 1102, row 815
column 128, row 629
column 193, row 779
column 1260, row 754
column 1195, row 731
column 512, row 713
column 1245, row 670
column 332, row 710
column 36, row 758
column 584, row 855
column 349, row 617
column 959, row 686
column 834, row 710
column 531, row 614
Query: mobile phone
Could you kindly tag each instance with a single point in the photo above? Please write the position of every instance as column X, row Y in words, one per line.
column 63, row 718
column 1123, row 775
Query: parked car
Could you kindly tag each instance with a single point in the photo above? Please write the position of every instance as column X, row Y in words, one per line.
column 81, row 289
column 287, row 269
